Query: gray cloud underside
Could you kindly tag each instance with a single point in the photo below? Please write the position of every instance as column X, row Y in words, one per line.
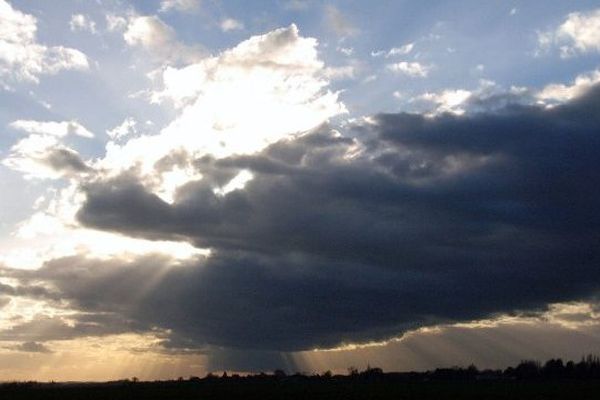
column 32, row 347
column 66, row 160
column 438, row 219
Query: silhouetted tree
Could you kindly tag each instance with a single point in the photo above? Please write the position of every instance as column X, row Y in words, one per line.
column 553, row 368
column 527, row 369
column 279, row 373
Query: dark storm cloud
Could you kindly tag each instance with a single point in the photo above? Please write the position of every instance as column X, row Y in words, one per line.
column 234, row 300
column 437, row 219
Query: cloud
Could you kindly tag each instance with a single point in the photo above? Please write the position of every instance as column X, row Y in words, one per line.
column 343, row 72
column 394, row 51
column 403, row 50
column 4, row 301
column 32, row 347
column 582, row 30
column 448, row 100
column 338, row 22
column 44, row 328
column 22, row 58
column 65, row 159
column 487, row 97
column 412, row 69
column 52, row 128
column 123, row 130
column 558, row 92
column 424, row 219
column 578, row 34
column 149, row 32
column 158, row 39
column 179, row 5
column 230, row 24
column 115, row 22
column 347, row 51
column 42, row 156
column 226, row 103
column 321, row 237
column 80, row 22
column 219, row 100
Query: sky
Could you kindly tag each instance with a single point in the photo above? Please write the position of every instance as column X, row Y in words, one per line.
column 205, row 185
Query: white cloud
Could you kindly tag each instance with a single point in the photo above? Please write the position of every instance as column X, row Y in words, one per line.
column 52, row 128
column 402, row 50
column 115, row 22
column 42, row 156
column 579, row 33
column 337, row 73
column 126, row 128
column 347, row 51
column 394, row 51
column 266, row 88
column 448, row 100
column 27, row 156
column 560, row 93
column 179, row 5
column 487, row 97
column 412, row 69
column 22, row 58
column 80, row 22
column 149, row 32
column 238, row 182
column 230, row 24
column 582, row 30
column 158, row 39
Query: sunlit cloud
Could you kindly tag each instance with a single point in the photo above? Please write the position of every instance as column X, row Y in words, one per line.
column 559, row 92
column 159, row 40
column 52, row 128
column 80, row 22
column 411, row 69
column 24, row 59
column 578, row 34
column 179, row 5
column 230, row 24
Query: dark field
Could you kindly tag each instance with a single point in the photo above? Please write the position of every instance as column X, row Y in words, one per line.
column 528, row 380
column 270, row 389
